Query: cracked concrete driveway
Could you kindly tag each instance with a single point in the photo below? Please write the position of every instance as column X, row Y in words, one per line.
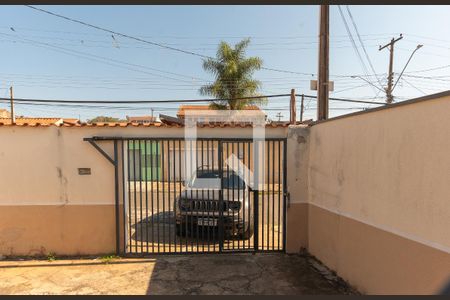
column 196, row 274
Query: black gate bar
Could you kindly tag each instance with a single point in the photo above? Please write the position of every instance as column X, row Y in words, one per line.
column 261, row 241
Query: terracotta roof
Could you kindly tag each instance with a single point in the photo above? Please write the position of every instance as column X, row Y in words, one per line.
column 32, row 121
column 129, row 124
column 71, row 120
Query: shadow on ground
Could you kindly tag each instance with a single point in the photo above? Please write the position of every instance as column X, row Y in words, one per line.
column 209, row 274
column 242, row 274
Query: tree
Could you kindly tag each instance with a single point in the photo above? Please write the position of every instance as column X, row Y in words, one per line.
column 103, row 119
column 233, row 72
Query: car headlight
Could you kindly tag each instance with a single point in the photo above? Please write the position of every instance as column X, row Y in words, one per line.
column 234, row 205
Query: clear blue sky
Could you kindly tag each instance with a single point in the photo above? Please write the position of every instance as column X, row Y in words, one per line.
column 38, row 58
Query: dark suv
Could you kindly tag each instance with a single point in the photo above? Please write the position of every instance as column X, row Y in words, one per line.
column 198, row 205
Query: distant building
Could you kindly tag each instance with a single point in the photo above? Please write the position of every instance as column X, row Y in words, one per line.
column 4, row 113
column 183, row 108
column 141, row 119
column 181, row 114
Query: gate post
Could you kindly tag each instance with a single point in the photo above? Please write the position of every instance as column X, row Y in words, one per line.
column 256, row 220
column 221, row 202
column 116, row 196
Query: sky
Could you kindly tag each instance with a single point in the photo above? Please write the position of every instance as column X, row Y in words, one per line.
column 45, row 57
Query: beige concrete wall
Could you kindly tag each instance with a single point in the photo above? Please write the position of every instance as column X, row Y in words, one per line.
column 45, row 204
column 373, row 260
column 390, row 168
column 297, row 186
column 378, row 197
column 61, row 229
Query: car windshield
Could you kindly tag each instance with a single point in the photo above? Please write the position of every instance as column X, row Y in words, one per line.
column 230, row 179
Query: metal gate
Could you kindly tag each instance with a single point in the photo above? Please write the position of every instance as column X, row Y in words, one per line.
column 198, row 196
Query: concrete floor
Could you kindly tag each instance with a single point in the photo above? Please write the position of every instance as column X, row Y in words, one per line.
column 177, row 274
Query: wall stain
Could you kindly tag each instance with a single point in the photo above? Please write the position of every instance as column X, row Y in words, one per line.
column 340, row 177
column 64, row 198
column 301, row 139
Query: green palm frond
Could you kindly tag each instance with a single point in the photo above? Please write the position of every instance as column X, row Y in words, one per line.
column 233, row 77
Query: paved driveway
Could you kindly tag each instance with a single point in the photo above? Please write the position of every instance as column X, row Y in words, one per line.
column 195, row 274
column 152, row 220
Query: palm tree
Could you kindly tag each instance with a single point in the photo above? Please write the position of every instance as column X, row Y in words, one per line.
column 233, row 74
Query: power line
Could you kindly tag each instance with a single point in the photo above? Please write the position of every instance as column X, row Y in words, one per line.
column 142, row 40
column 158, row 44
column 83, row 54
column 82, row 41
column 117, row 33
column 174, row 48
column 413, row 86
column 350, row 88
column 341, row 99
column 196, row 37
column 342, row 78
column 362, row 45
column 140, row 101
column 56, row 101
column 166, row 46
column 350, row 36
column 430, row 69
column 163, row 109
column 96, row 57
column 86, row 45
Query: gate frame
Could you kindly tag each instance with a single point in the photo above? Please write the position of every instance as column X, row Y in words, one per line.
column 115, row 162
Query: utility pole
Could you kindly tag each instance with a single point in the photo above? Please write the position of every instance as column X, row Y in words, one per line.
column 322, row 84
column 293, row 110
column 279, row 116
column 302, row 108
column 13, row 118
column 389, row 97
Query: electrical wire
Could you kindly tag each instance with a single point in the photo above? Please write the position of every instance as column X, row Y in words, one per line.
column 141, row 101
column 350, row 36
column 145, row 41
column 166, row 109
column 430, row 69
column 350, row 88
column 84, row 42
column 84, row 55
column 30, row 100
column 341, row 99
column 196, row 37
column 413, row 86
column 362, row 45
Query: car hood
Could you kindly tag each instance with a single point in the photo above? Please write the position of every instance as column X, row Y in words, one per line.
column 204, row 194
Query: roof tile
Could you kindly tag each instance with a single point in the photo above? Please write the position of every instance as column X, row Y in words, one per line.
column 37, row 123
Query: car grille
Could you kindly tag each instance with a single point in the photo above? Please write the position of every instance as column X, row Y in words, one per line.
column 208, row 205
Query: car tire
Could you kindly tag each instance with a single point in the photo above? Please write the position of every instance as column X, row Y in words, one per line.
column 249, row 232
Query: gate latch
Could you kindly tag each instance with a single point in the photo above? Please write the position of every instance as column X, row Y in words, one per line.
column 288, row 198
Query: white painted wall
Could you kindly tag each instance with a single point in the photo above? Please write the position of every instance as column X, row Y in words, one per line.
column 39, row 165
column 389, row 168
